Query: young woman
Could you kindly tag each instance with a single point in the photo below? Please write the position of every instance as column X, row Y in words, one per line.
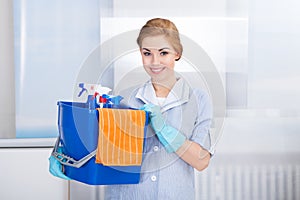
column 178, row 138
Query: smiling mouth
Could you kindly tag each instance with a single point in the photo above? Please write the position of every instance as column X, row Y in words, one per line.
column 156, row 70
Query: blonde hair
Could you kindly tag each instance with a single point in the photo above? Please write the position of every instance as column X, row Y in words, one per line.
column 159, row 26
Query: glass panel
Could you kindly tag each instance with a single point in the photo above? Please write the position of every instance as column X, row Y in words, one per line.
column 52, row 38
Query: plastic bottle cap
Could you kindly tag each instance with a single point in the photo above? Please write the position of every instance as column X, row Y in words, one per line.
column 102, row 99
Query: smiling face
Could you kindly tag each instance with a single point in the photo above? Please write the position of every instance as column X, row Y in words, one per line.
column 158, row 57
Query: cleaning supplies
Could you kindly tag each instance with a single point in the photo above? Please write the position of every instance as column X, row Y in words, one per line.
column 98, row 96
column 56, row 168
column 109, row 101
column 92, row 89
column 121, row 137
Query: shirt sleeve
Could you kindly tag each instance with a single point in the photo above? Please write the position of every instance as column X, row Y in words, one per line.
column 201, row 132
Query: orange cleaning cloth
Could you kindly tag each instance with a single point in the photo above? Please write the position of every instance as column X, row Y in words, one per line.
column 121, row 137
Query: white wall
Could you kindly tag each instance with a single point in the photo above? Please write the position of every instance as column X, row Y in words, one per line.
column 24, row 175
column 7, row 82
column 274, row 46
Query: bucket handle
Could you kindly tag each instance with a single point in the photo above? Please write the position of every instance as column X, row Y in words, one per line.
column 68, row 160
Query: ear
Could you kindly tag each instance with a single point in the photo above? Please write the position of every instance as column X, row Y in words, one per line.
column 177, row 57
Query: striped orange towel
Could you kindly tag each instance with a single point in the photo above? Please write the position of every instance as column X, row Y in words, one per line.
column 121, row 137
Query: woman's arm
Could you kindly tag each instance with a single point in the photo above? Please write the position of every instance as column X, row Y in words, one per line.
column 175, row 141
column 194, row 155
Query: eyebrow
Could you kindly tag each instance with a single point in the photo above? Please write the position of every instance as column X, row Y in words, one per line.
column 164, row 48
column 158, row 49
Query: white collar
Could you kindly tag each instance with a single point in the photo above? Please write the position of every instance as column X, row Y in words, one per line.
column 177, row 96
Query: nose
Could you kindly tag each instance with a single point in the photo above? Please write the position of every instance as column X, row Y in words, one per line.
column 155, row 59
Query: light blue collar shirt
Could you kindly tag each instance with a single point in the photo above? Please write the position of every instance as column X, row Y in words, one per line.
column 165, row 176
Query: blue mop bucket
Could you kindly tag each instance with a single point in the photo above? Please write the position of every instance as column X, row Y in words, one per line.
column 78, row 135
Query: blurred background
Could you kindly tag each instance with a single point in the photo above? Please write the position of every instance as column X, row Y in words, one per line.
column 254, row 46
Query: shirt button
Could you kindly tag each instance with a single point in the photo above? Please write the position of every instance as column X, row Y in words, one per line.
column 155, row 148
column 153, row 178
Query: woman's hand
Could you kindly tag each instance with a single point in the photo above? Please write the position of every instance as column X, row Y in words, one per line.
column 170, row 137
column 174, row 141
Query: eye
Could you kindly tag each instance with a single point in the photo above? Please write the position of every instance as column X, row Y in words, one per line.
column 164, row 53
column 146, row 53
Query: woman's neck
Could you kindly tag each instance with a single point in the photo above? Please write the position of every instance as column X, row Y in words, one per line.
column 163, row 88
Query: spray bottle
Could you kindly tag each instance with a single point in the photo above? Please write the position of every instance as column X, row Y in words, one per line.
column 93, row 92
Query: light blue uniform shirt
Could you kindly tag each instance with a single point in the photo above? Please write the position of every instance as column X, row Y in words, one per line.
column 165, row 176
